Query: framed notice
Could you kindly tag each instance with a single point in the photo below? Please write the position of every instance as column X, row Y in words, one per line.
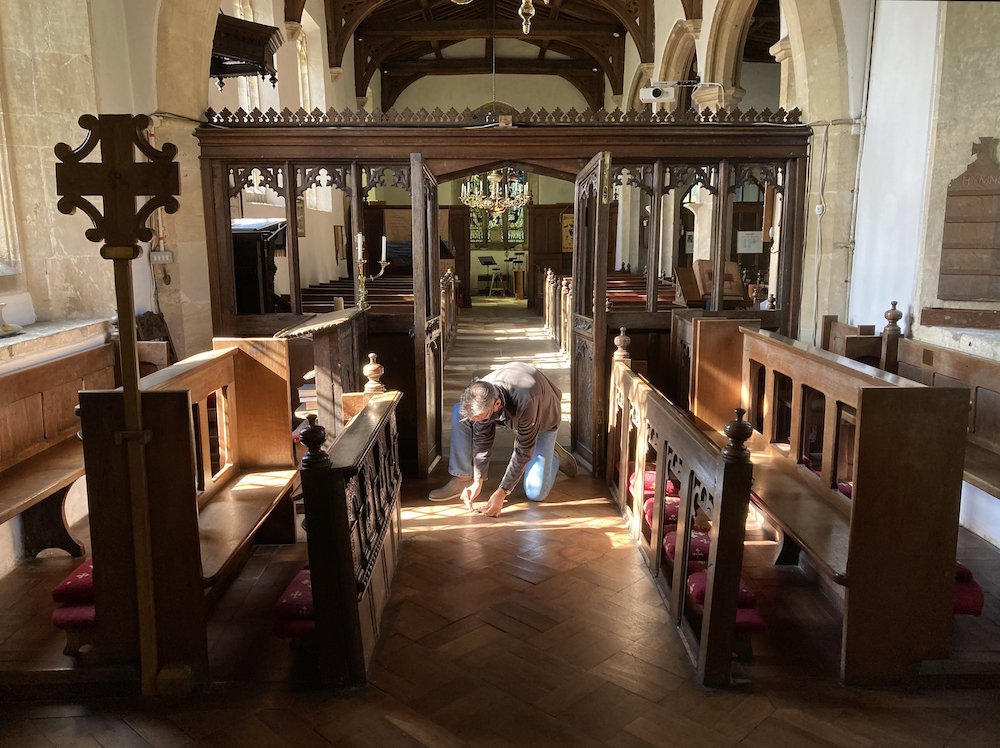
column 567, row 231
column 300, row 214
column 749, row 243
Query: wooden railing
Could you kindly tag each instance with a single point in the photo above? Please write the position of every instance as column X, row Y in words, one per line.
column 647, row 433
column 352, row 505
column 449, row 311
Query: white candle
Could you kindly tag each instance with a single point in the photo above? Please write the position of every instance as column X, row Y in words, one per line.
column 383, row 248
column 361, row 246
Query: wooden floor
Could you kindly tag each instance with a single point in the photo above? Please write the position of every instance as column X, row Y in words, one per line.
column 540, row 628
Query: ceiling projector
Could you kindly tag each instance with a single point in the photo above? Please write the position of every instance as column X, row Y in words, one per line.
column 658, row 93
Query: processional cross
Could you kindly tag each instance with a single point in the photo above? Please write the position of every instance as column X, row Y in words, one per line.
column 118, row 179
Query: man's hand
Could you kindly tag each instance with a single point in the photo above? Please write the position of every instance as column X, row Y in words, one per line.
column 495, row 504
column 470, row 493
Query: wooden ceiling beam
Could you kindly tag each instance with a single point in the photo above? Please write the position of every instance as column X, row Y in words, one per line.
column 481, row 65
column 483, row 29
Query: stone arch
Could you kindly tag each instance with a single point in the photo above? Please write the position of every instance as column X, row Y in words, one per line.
column 642, row 76
column 721, row 64
column 679, row 50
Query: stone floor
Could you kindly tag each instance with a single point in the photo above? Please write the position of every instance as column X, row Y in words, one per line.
column 540, row 628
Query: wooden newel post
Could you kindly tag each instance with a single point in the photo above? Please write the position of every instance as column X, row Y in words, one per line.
column 727, row 532
column 622, row 342
column 118, row 179
column 890, row 339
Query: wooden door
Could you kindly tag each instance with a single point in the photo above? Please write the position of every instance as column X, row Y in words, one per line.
column 590, row 246
column 426, row 314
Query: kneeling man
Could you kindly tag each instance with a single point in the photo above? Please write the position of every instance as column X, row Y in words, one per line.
column 521, row 398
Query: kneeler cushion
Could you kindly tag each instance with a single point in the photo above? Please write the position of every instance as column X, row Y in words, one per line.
column 296, row 602
column 962, row 573
column 670, row 488
column 671, row 508
column 697, row 552
column 78, row 586
column 698, row 582
column 749, row 621
column 70, row 617
column 293, row 628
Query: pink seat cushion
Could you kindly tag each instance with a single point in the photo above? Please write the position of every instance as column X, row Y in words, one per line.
column 697, row 553
column 70, row 617
column 671, row 507
column 698, row 581
column 293, row 628
column 968, row 600
column 670, row 488
column 78, row 587
column 296, row 602
column 846, row 488
column 962, row 573
column 749, row 621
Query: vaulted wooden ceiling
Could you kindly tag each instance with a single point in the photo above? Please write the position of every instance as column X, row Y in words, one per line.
column 582, row 41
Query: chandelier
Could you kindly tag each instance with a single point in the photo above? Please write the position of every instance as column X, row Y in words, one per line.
column 526, row 12
column 500, row 191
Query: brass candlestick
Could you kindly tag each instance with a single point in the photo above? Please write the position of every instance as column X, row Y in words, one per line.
column 363, row 280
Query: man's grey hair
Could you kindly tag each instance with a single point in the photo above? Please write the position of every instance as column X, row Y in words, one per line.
column 477, row 399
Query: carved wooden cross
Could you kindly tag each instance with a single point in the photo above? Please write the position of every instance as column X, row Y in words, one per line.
column 118, row 179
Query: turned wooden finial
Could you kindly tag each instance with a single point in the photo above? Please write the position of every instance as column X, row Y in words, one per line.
column 313, row 437
column 374, row 371
column 738, row 432
column 892, row 317
column 622, row 341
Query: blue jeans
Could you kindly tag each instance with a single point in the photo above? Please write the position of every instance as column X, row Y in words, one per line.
column 539, row 474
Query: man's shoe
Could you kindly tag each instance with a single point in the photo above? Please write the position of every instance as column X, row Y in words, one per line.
column 567, row 462
column 450, row 490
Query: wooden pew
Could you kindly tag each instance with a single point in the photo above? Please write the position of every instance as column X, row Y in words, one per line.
column 353, row 521
column 220, row 474
column 823, row 422
column 687, row 333
column 647, row 432
column 40, row 454
column 934, row 366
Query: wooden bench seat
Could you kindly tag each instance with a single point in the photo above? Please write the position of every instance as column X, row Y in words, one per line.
column 823, row 420
column 40, row 454
column 220, row 476
column 235, row 513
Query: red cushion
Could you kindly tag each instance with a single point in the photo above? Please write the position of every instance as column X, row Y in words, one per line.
column 69, row 617
column 670, row 488
column 698, row 581
column 845, row 488
column 749, row 621
column 78, row 587
column 968, row 598
column 296, row 602
column 292, row 628
column 962, row 573
column 671, row 508
column 697, row 552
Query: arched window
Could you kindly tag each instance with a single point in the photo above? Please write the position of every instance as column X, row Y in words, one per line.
column 10, row 258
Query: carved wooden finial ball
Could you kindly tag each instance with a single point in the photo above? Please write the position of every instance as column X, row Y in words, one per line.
column 374, row 371
column 313, row 435
column 738, row 432
column 892, row 316
column 622, row 342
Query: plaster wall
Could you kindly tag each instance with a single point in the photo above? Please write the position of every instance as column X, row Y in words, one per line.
column 473, row 91
column 894, row 163
column 48, row 79
column 762, row 82
column 966, row 110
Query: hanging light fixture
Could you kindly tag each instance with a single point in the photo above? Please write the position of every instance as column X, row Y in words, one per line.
column 526, row 12
column 498, row 192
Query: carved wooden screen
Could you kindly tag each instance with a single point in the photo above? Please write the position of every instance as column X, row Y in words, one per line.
column 589, row 379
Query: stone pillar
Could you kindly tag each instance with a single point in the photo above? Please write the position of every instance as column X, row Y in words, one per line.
column 183, row 285
column 670, row 212
column 781, row 51
column 702, row 225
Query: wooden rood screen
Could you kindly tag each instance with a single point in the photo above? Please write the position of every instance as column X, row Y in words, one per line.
column 651, row 441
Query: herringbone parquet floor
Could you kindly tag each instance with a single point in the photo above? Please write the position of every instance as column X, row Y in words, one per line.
column 540, row 628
